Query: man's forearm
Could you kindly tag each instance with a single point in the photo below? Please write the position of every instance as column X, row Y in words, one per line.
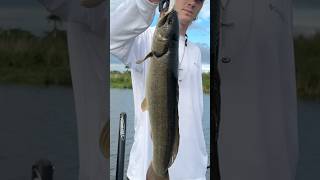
column 129, row 20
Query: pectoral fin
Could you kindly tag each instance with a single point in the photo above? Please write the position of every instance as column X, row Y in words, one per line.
column 144, row 105
column 152, row 175
column 150, row 54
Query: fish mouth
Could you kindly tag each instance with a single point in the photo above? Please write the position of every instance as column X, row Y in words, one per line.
column 168, row 17
column 166, row 6
column 171, row 6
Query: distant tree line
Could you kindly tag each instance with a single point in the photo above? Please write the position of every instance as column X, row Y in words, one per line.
column 29, row 59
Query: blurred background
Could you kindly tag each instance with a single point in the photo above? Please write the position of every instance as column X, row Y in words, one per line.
column 36, row 100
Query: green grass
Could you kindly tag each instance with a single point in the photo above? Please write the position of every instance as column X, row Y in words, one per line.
column 206, row 82
column 120, row 80
column 123, row 80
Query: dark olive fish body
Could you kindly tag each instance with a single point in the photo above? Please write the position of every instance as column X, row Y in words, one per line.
column 162, row 93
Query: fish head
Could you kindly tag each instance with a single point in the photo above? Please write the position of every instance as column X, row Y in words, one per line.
column 166, row 33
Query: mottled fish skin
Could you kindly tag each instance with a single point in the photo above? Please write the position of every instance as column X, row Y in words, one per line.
column 162, row 93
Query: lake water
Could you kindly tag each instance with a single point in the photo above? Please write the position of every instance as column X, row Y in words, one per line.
column 37, row 122
column 40, row 122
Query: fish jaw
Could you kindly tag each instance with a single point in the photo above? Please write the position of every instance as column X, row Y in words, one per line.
column 166, row 33
column 151, row 174
column 171, row 6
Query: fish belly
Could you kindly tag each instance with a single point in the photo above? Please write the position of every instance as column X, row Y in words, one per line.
column 162, row 95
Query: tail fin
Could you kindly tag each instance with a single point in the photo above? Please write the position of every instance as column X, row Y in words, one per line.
column 151, row 174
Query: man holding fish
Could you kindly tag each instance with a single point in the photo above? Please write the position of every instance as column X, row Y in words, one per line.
column 167, row 86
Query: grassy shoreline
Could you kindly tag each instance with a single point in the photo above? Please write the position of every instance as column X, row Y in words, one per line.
column 122, row 80
column 29, row 59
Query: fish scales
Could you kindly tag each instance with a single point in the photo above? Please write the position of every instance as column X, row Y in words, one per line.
column 162, row 93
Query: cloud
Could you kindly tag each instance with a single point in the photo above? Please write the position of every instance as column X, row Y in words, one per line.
column 201, row 26
column 205, row 52
column 205, row 11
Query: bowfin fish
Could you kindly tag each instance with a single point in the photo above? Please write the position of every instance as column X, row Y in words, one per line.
column 162, row 93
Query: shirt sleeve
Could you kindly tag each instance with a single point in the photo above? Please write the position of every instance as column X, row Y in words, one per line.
column 128, row 25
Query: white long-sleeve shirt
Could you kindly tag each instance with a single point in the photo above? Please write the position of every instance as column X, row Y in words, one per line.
column 130, row 40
